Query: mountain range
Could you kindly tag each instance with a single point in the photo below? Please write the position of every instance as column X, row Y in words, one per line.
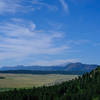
column 64, row 67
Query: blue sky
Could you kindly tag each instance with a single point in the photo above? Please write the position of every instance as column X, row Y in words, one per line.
column 49, row 32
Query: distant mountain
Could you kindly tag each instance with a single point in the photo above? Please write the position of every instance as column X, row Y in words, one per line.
column 68, row 67
column 80, row 67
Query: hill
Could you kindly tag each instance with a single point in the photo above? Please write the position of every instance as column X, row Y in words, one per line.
column 85, row 87
column 70, row 67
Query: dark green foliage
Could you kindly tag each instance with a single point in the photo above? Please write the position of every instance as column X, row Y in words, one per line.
column 2, row 77
column 43, row 72
column 85, row 87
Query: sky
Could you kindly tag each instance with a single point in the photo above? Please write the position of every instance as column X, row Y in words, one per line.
column 49, row 32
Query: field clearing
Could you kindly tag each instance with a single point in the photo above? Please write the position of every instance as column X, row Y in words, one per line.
column 29, row 80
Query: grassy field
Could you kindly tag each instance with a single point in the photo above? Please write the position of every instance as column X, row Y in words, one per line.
column 28, row 80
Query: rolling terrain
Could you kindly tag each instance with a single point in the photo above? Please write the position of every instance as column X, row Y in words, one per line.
column 69, row 68
column 85, row 87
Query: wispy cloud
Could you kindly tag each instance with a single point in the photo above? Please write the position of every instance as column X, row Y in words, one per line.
column 43, row 4
column 10, row 6
column 55, row 62
column 78, row 42
column 64, row 5
column 20, row 39
column 13, row 6
column 96, row 44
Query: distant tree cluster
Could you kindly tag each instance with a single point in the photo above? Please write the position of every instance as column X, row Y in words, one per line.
column 1, row 77
column 85, row 87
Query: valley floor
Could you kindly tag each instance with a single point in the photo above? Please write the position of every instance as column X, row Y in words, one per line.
column 29, row 80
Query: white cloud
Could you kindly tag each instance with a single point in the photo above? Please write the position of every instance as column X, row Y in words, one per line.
column 78, row 42
column 64, row 5
column 96, row 44
column 42, row 4
column 10, row 6
column 20, row 39
column 14, row 6
column 55, row 62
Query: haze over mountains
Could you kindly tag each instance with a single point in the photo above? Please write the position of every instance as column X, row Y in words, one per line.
column 64, row 67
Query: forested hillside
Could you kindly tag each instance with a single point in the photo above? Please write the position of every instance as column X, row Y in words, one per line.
column 85, row 87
